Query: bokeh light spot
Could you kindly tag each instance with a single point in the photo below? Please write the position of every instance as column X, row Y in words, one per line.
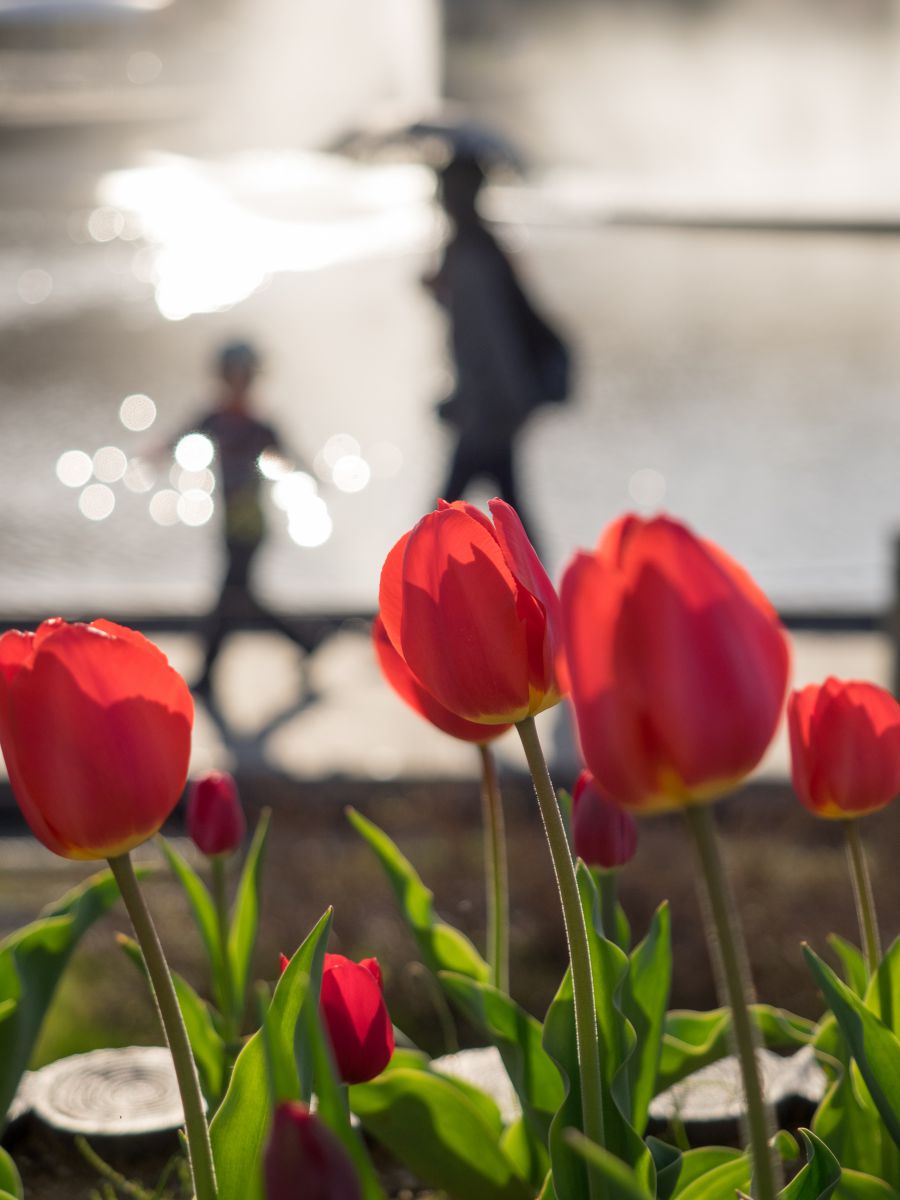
column 74, row 468
column 97, row 501
column 194, row 507
column 647, row 488
column 309, row 523
column 194, row 452
column 293, row 489
column 351, row 473
column 164, row 506
column 105, row 223
column 34, row 285
column 109, row 464
column 139, row 476
column 137, row 412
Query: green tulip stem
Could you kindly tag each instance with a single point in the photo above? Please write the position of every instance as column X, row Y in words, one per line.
column 863, row 895
column 231, row 1016
column 729, row 956
column 496, row 876
column 576, row 934
column 199, row 1148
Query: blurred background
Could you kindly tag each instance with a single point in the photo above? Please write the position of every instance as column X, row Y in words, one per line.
column 706, row 200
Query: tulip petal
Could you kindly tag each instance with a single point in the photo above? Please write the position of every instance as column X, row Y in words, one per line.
column 461, row 632
column 411, row 691
column 854, row 760
column 390, row 592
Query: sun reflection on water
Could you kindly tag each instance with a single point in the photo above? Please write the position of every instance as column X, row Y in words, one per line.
column 219, row 230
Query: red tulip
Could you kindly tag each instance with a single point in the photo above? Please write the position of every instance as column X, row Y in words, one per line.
column 468, row 607
column 215, row 819
column 603, row 834
column 678, row 662
column 304, row 1158
column 95, row 728
column 408, row 688
column 356, row 1017
column 845, row 747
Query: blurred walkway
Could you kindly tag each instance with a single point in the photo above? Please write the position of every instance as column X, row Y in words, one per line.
column 333, row 716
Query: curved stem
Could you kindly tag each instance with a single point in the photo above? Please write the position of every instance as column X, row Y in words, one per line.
column 863, row 895
column 729, row 955
column 495, row 871
column 576, row 933
column 199, row 1149
column 231, row 1017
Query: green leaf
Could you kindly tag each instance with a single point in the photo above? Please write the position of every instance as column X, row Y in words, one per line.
column 517, row 1036
column 819, row 1177
column 204, row 911
column 568, row 1168
column 644, row 998
column 240, row 1127
column 718, row 1182
column 206, row 1044
column 614, row 1179
column 855, row 1185
column 32, row 960
column 525, row 1152
column 874, row 1047
column 442, row 947
column 697, row 1163
column 856, row 975
column 667, row 1160
column 10, row 1179
column 846, row 1119
column 245, row 916
column 695, row 1039
column 433, row 1128
column 331, row 1105
column 883, row 991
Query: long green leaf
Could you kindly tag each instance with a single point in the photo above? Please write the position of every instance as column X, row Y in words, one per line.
column 32, row 960
column 645, row 996
column 434, row 1129
column 442, row 947
column 204, row 910
column 245, row 916
column 10, row 1179
column 856, row 976
column 697, row 1163
column 855, row 1185
column 239, row 1128
column 874, row 1047
column 517, row 1036
column 719, row 1182
column 692, row 1040
column 821, row 1175
column 846, row 1119
column 206, row 1044
column 615, row 1180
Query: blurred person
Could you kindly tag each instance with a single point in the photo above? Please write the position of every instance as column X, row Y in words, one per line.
column 239, row 438
column 507, row 358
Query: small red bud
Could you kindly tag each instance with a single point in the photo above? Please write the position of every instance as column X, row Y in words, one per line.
column 303, row 1157
column 603, row 834
column 215, row 819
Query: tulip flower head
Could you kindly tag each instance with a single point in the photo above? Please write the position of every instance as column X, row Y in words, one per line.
column 603, row 834
column 845, row 747
column 469, row 609
column 678, row 664
column 215, row 819
column 356, row 1017
column 303, row 1157
column 95, row 728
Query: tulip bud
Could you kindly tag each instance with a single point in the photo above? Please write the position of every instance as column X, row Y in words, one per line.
column 215, row 819
column 845, row 748
column 356, row 1017
column 603, row 834
column 303, row 1157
